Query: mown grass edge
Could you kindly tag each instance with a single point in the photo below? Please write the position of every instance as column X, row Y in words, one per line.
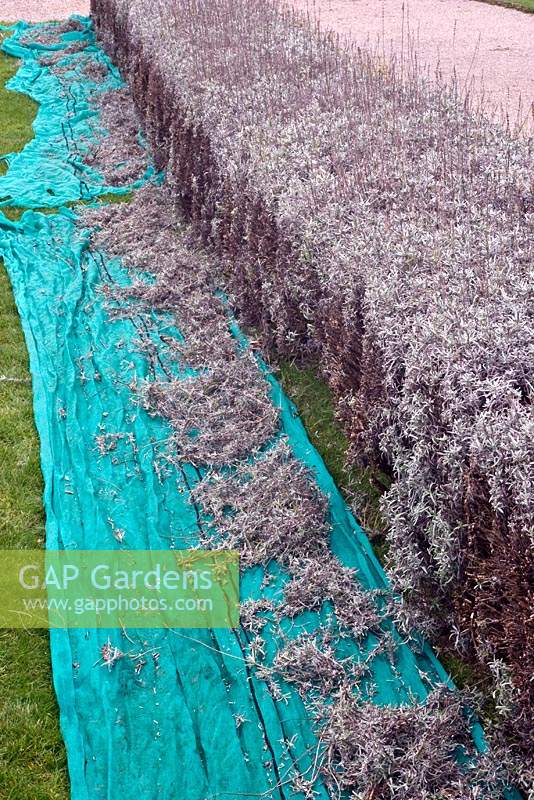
column 32, row 753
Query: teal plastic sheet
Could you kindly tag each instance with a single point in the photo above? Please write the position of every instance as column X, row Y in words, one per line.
column 50, row 170
column 180, row 715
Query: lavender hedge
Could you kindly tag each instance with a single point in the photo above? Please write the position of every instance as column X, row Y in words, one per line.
column 267, row 505
column 373, row 221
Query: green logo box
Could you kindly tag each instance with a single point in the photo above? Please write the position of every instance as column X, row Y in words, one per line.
column 119, row 589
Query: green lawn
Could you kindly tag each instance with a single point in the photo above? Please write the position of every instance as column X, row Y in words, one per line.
column 361, row 488
column 519, row 5
column 17, row 112
column 32, row 756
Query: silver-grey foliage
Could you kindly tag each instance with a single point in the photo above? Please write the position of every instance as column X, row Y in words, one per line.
column 370, row 218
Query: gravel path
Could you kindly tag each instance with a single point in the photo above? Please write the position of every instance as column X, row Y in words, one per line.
column 490, row 47
column 41, row 10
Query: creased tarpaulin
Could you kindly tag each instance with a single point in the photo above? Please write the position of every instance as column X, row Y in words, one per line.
column 50, row 170
column 161, row 723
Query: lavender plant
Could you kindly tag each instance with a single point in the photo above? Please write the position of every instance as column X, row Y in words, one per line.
column 384, row 753
column 376, row 221
column 268, row 510
column 120, row 155
column 266, row 504
column 312, row 664
column 315, row 580
column 217, row 417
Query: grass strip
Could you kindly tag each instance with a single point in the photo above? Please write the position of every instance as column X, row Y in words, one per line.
column 18, row 111
column 361, row 488
column 32, row 754
column 518, row 5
